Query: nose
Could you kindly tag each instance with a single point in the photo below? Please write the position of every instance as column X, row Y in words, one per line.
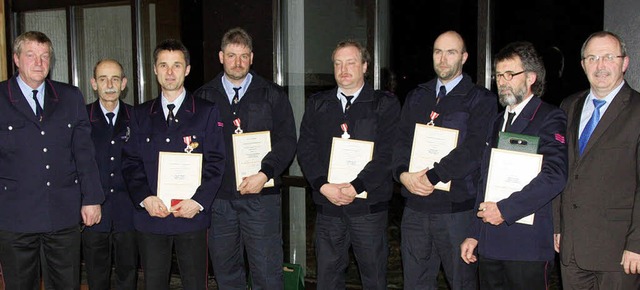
column 38, row 61
column 109, row 83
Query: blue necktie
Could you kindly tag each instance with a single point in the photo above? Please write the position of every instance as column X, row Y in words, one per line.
column 39, row 110
column 441, row 94
column 591, row 125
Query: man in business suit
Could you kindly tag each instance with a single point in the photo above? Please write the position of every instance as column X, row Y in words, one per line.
column 514, row 255
column 109, row 117
column 597, row 216
column 175, row 121
column 48, row 175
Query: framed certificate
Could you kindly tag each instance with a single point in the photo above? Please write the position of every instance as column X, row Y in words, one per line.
column 248, row 151
column 348, row 158
column 510, row 171
column 430, row 144
column 179, row 176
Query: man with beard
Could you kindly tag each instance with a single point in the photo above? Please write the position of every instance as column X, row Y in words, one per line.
column 514, row 255
column 597, row 216
column 435, row 221
column 247, row 216
column 114, row 235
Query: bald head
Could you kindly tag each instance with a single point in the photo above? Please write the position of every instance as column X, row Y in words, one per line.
column 449, row 54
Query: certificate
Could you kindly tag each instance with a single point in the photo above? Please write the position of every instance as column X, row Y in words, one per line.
column 430, row 144
column 248, row 151
column 348, row 158
column 179, row 175
column 510, row 171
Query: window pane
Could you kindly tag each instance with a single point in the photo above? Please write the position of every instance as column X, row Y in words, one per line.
column 104, row 32
column 52, row 23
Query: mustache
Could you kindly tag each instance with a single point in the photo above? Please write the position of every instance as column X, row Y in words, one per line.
column 110, row 91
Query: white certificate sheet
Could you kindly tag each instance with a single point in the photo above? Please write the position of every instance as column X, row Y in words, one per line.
column 179, row 175
column 510, row 171
column 348, row 158
column 248, row 151
column 430, row 144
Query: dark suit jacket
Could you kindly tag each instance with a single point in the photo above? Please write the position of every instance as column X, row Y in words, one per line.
column 264, row 107
column 599, row 209
column 117, row 209
column 373, row 117
column 514, row 241
column 197, row 118
column 47, row 169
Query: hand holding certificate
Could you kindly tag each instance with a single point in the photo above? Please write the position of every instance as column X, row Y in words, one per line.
column 430, row 144
column 510, row 171
column 248, row 151
column 179, row 176
column 348, row 158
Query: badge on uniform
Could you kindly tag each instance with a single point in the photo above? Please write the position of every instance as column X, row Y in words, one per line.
column 190, row 145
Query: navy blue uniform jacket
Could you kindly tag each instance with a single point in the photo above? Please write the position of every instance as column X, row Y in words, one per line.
column 197, row 118
column 264, row 107
column 47, row 169
column 371, row 118
column 117, row 209
column 468, row 108
column 514, row 241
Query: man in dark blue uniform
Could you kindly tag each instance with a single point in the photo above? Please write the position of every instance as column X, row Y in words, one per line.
column 515, row 255
column 175, row 121
column 48, row 174
column 436, row 221
column 247, row 215
column 353, row 109
column 109, row 117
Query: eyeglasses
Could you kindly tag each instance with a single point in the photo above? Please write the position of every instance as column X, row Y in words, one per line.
column 606, row 58
column 508, row 75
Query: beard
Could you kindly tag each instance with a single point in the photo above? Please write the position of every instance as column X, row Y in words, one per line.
column 509, row 96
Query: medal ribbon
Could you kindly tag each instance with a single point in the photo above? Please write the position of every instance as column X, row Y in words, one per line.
column 433, row 116
column 187, row 140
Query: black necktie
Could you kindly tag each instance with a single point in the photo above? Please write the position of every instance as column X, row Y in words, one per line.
column 110, row 115
column 348, row 105
column 38, row 107
column 236, row 99
column 509, row 121
column 170, row 116
column 441, row 94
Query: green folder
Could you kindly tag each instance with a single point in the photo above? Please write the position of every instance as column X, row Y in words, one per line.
column 518, row 142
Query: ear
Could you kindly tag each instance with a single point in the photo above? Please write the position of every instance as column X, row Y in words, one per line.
column 123, row 83
column 16, row 59
column 94, row 84
column 221, row 57
column 465, row 55
column 251, row 60
column 186, row 72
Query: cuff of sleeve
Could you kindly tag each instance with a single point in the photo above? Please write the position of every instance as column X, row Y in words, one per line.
column 267, row 170
column 433, row 177
column 358, row 184
column 399, row 170
column 319, row 182
column 201, row 208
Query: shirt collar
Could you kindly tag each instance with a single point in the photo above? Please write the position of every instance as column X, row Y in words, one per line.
column 449, row 86
column 228, row 86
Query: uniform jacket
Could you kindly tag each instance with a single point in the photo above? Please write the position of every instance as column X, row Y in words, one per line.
column 117, row 209
column 515, row 241
column 599, row 210
column 264, row 107
column 371, row 118
column 150, row 134
column 468, row 108
column 47, row 169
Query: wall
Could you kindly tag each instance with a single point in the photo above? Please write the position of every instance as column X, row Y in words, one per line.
column 621, row 17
